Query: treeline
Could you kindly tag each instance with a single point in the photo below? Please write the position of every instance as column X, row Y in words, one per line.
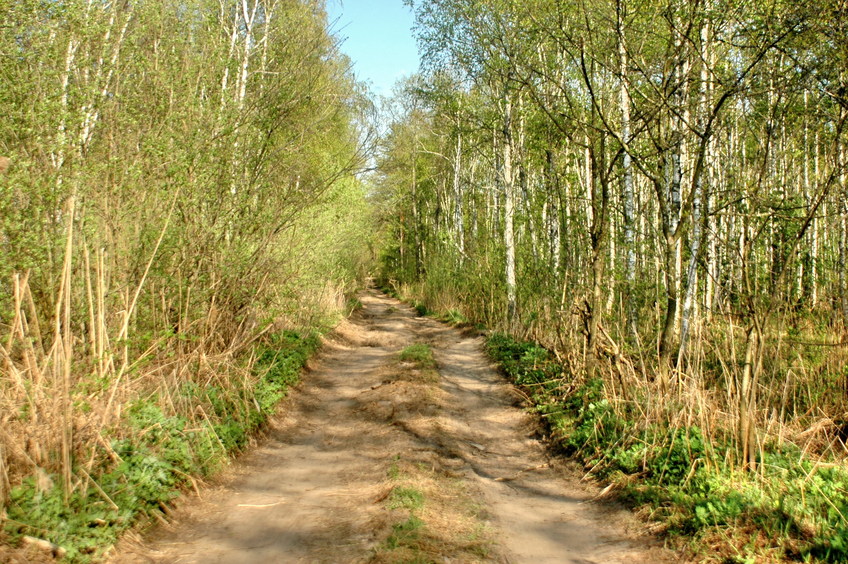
column 653, row 190
column 179, row 186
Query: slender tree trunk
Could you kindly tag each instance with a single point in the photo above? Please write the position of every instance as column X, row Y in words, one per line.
column 416, row 221
column 814, row 250
column 700, row 195
column 843, row 238
column 457, row 197
column 627, row 182
column 672, row 253
column 672, row 217
column 553, row 215
column 225, row 77
column 671, row 283
column 692, row 272
column 748, row 399
column 599, row 188
column 806, row 180
column 508, row 175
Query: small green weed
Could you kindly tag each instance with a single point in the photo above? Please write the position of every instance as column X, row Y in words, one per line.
column 406, row 498
column 420, row 354
column 394, row 472
column 454, row 317
column 405, row 534
column 353, row 304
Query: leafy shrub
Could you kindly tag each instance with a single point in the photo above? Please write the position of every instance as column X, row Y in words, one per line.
column 672, row 462
column 525, row 363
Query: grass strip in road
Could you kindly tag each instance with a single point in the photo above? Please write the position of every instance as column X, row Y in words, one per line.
column 429, row 513
column 418, row 364
column 418, row 354
column 430, row 517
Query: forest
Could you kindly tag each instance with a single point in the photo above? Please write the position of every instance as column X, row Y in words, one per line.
column 647, row 199
column 179, row 216
column 643, row 204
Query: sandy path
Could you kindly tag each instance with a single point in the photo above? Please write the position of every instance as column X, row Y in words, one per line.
column 311, row 492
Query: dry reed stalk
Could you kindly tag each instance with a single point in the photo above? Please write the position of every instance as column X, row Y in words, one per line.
column 63, row 350
column 17, row 328
column 99, row 490
column 5, row 487
column 129, row 308
column 17, row 313
column 89, row 294
column 102, row 334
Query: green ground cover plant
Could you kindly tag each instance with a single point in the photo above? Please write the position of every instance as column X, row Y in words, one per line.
column 794, row 507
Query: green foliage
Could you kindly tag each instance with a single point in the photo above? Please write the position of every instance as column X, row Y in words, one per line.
column 199, row 210
column 527, row 364
column 420, row 308
column 83, row 525
column 280, row 361
column 406, row 498
column 674, row 459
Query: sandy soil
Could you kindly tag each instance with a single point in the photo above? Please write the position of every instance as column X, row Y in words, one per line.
column 314, row 490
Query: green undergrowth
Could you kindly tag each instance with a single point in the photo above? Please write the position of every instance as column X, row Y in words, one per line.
column 793, row 508
column 156, row 452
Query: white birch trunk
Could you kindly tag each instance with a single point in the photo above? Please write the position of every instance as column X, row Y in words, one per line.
column 509, row 209
column 457, row 199
column 627, row 185
column 699, row 188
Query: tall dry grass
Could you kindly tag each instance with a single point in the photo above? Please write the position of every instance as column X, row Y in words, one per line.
column 66, row 382
column 797, row 383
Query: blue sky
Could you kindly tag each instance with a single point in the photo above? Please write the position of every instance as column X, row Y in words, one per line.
column 378, row 38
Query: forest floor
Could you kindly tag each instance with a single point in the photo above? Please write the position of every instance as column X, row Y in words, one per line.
column 377, row 459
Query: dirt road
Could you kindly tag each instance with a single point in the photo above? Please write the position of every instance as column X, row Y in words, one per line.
column 380, row 460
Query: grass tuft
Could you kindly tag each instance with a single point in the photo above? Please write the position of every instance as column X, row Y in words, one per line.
column 419, row 354
column 403, row 497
